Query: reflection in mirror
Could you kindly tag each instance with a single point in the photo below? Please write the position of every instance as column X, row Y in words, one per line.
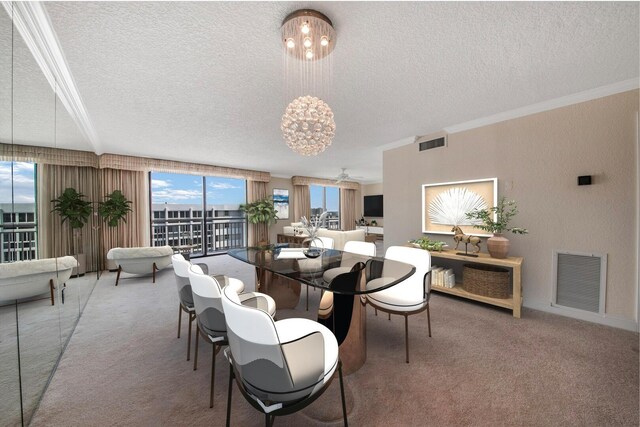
column 40, row 301
column 10, row 403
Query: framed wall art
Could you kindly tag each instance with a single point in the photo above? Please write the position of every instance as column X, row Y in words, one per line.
column 281, row 202
column 445, row 204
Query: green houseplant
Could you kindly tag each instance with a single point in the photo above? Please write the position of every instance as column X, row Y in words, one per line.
column 498, row 245
column 74, row 209
column 261, row 212
column 114, row 208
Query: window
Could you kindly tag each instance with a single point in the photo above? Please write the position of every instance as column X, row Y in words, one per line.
column 185, row 212
column 18, row 226
column 326, row 199
column 227, row 225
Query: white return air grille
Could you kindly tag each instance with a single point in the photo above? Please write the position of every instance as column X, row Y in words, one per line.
column 580, row 281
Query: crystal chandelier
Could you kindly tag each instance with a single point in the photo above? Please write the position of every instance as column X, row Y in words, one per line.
column 307, row 123
column 308, row 126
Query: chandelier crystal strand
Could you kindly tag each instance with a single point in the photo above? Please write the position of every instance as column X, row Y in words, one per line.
column 307, row 125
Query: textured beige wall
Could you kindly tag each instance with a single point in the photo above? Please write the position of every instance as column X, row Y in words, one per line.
column 537, row 160
column 371, row 190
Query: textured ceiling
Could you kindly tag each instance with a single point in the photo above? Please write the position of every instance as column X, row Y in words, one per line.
column 203, row 81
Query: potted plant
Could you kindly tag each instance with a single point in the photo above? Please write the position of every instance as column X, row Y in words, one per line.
column 261, row 212
column 113, row 210
column 498, row 245
column 72, row 207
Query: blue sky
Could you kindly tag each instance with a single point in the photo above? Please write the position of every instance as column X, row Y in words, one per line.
column 178, row 188
column 333, row 197
column 23, row 182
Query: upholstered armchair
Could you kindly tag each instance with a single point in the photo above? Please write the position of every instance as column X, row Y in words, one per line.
column 411, row 296
column 280, row 367
column 211, row 324
column 355, row 252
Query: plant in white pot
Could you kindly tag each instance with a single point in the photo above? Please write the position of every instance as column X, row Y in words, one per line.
column 498, row 245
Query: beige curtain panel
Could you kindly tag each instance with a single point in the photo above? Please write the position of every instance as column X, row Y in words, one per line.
column 348, row 209
column 257, row 190
column 54, row 238
column 301, row 202
column 135, row 231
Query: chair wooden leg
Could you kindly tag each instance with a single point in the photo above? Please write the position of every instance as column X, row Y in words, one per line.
column 154, row 272
column 229, row 395
column 189, row 339
column 213, row 374
column 179, row 318
column 195, row 358
column 51, row 289
column 429, row 320
column 406, row 334
column 307, row 297
column 118, row 275
column 344, row 404
column 389, row 314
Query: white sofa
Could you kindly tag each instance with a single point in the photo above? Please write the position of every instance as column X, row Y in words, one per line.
column 339, row 237
column 25, row 279
column 141, row 260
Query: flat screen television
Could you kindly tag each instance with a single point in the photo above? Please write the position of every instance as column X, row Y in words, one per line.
column 373, row 206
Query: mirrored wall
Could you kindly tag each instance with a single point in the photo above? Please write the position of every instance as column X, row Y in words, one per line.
column 42, row 292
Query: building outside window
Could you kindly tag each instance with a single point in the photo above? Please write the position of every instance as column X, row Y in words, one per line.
column 326, row 199
column 18, row 219
column 198, row 212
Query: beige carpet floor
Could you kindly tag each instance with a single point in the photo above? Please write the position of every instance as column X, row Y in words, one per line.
column 124, row 366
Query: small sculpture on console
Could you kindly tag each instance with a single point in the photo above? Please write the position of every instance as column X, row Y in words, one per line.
column 459, row 236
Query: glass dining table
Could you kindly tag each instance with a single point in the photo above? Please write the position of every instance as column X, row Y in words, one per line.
column 282, row 269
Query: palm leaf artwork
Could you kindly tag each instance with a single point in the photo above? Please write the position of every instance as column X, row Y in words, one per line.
column 451, row 206
column 115, row 208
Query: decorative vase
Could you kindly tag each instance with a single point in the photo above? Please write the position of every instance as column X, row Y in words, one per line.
column 311, row 250
column 498, row 246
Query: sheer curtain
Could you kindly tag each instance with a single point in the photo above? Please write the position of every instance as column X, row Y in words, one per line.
column 348, row 208
column 54, row 238
column 256, row 190
column 301, row 202
column 135, row 231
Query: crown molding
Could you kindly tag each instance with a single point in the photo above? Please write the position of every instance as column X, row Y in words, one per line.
column 33, row 24
column 551, row 104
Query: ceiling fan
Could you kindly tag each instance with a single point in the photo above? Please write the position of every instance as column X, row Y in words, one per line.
column 344, row 176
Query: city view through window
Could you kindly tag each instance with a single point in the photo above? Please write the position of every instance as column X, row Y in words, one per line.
column 198, row 215
column 326, row 199
column 18, row 225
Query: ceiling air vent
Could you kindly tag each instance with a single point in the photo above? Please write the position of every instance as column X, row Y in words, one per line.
column 431, row 143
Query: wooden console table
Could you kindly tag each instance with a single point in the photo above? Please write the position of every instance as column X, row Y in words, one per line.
column 448, row 258
column 290, row 238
